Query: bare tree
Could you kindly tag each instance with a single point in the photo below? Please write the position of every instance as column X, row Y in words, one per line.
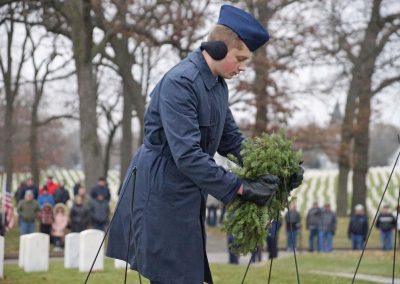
column 362, row 49
column 143, row 26
column 43, row 72
column 73, row 19
column 11, row 69
column 270, row 62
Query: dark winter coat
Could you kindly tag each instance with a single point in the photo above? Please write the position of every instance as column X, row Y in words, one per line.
column 327, row 221
column 188, row 120
column 293, row 220
column 313, row 218
column 61, row 195
column 79, row 218
column 25, row 188
column 358, row 225
column 103, row 190
column 386, row 222
column 100, row 210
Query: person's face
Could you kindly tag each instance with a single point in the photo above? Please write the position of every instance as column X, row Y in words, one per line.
column 78, row 200
column 29, row 182
column 360, row 212
column 29, row 197
column 234, row 62
column 385, row 210
column 102, row 183
column 82, row 191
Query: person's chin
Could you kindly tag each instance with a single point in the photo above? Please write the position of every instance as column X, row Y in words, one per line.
column 228, row 76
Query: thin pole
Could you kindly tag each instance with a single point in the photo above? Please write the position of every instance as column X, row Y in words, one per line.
column 108, row 228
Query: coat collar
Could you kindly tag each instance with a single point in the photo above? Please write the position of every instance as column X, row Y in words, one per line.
column 198, row 59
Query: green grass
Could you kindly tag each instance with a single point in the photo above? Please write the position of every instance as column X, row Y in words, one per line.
column 283, row 271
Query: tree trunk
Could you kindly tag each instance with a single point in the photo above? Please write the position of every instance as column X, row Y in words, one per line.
column 126, row 141
column 133, row 99
column 360, row 157
column 260, row 92
column 260, row 62
column 8, row 146
column 81, row 36
column 33, row 144
column 364, row 67
column 107, row 152
column 345, row 152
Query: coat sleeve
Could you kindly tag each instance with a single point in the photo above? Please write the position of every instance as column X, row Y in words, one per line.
column 232, row 138
column 178, row 111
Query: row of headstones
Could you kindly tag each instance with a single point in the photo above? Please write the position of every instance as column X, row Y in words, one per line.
column 79, row 251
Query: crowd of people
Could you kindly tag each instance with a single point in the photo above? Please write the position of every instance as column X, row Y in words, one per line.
column 48, row 208
column 321, row 223
column 56, row 213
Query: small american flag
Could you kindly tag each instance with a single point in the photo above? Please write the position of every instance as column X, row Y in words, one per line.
column 8, row 208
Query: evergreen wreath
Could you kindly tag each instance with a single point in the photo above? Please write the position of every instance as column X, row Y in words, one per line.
column 246, row 221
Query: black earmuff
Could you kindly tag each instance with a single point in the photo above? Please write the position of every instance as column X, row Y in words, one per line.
column 216, row 49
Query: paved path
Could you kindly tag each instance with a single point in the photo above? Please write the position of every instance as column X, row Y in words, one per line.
column 223, row 257
column 365, row 277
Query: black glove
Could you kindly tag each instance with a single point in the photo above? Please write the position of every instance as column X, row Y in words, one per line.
column 296, row 179
column 260, row 190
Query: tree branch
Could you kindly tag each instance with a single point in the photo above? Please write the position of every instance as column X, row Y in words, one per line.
column 57, row 117
column 386, row 83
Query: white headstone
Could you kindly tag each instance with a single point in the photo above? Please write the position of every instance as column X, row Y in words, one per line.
column 36, row 252
column 71, row 250
column 89, row 243
column 1, row 256
column 22, row 240
column 119, row 263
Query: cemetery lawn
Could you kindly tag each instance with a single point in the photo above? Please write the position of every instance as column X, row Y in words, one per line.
column 374, row 263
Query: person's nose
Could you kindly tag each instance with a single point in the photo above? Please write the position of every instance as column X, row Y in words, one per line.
column 242, row 67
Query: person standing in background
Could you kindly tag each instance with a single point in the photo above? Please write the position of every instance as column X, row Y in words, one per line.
column 99, row 212
column 293, row 225
column 46, row 218
column 327, row 228
column 45, row 197
column 358, row 228
column 101, row 188
column 386, row 223
column 79, row 215
column 61, row 195
column 28, row 209
column 272, row 239
column 312, row 224
column 29, row 185
column 59, row 225
column 51, row 186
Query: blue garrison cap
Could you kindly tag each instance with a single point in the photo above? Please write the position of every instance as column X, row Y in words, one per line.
column 249, row 30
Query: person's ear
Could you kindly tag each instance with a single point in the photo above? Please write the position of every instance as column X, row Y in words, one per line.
column 216, row 49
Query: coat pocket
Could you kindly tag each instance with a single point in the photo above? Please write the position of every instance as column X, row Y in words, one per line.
column 177, row 188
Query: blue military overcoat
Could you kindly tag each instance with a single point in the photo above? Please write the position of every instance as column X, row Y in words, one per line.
column 187, row 121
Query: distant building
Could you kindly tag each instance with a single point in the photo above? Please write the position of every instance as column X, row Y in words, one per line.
column 336, row 117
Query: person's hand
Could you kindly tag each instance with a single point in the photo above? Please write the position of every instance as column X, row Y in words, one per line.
column 260, row 190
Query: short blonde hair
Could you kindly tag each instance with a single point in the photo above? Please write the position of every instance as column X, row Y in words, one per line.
column 225, row 34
